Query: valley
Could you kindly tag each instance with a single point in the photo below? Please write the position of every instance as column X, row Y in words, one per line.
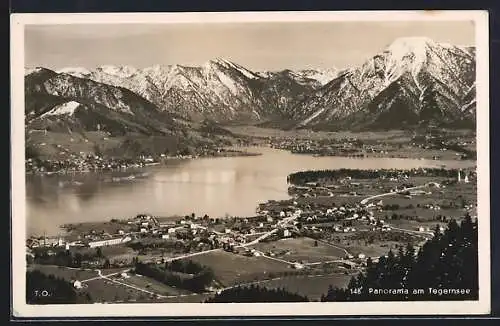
column 119, row 111
column 180, row 183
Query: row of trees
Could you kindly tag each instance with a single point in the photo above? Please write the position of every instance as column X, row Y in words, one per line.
column 196, row 283
column 255, row 293
column 448, row 261
column 185, row 266
column 315, row 175
column 68, row 259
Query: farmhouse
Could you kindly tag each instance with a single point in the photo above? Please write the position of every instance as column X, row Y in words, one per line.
column 349, row 264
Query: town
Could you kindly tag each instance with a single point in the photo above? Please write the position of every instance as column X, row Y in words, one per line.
column 435, row 145
column 333, row 223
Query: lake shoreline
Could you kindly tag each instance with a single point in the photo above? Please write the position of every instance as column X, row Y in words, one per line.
column 217, row 186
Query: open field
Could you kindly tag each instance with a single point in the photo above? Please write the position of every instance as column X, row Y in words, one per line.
column 372, row 250
column 150, row 284
column 301, row 250
column 414, row 225
column 231, row 269
column 372, row 243
column 102, row 290
column 312, row 286
column 55, row 144
column 69, row 274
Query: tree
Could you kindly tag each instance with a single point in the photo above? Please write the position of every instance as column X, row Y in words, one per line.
column 48, row 289
column 315, row 243
column 98, row 252
column 448, row 260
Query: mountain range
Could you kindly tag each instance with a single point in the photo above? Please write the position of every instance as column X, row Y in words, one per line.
column 413, row 82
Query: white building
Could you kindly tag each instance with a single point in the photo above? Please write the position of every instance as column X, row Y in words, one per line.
column 286, row 233
column 165, row 236
column 298, row 266
column 361, row 256
column 77, row 284
column 109, row 242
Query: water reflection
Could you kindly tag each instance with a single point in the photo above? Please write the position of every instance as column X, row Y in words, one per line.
column 213, row 186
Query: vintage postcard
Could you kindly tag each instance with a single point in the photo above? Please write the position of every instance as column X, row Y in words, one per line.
column 250, row 164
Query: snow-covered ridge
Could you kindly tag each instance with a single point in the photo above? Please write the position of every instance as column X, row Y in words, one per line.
column 67, row 108
column 75, row 71
column 30, row 70
column 416, row 66
column 119, row 71
column 322, row 76
column 231, row 65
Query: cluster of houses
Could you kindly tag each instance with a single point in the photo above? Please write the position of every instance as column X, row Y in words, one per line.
column 83, row 161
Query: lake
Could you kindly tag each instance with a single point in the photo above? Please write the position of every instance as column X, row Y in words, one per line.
column 214, row 186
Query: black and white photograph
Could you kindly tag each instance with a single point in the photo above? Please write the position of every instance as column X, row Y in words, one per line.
column 170, row 164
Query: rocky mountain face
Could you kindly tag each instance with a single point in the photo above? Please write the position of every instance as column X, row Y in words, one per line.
column 219, row 90
column 67, row 115
column 413, row 81
column 60, row 101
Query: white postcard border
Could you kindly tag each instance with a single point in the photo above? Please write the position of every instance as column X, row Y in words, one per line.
column 18, row 221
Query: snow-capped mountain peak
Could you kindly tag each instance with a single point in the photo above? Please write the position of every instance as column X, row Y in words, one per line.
column 119, row 71
column 28, row 71
column 230, row 65
column 410, row 43
column 413, row 78
column 323, row 76
column 80, row 72
column 406, row 54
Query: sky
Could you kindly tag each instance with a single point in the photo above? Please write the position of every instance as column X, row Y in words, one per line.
column 257, row 46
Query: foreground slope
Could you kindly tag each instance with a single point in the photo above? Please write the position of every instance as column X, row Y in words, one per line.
column 62, row 109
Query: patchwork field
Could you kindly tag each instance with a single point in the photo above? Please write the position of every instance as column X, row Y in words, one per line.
column 150, row 284
column 102, row 290
column 302, row 250
column 231, row 269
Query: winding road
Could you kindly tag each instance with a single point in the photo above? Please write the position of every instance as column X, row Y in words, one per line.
column 366, row 200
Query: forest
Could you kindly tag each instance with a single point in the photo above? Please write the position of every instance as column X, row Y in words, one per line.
column 178, row 275
column 448, row 261
column 303, row 177
column 47, row 289
column 255, row 293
